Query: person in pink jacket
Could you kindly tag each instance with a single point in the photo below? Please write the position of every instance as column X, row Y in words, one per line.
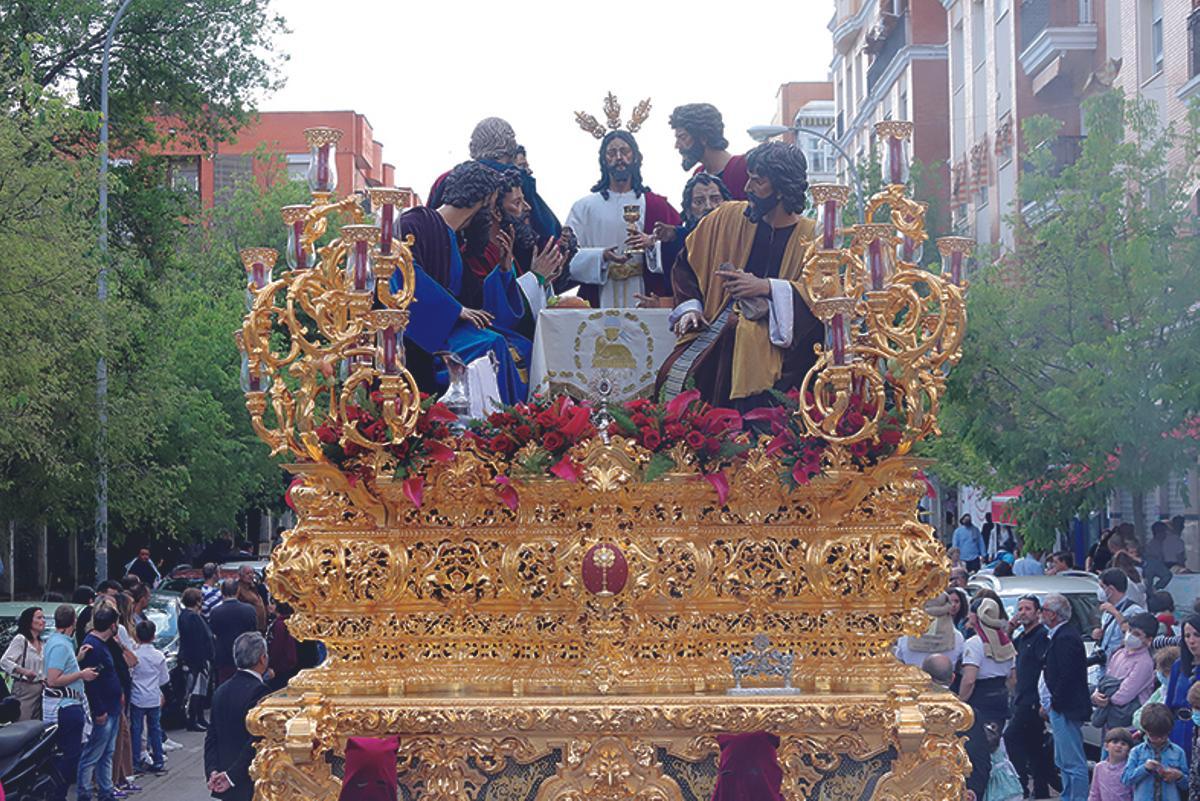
column 1132, row 666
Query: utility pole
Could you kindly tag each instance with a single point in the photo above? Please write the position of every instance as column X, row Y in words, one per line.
column 101, row 543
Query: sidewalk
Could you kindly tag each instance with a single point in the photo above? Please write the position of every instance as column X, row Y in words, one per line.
column 184, row 779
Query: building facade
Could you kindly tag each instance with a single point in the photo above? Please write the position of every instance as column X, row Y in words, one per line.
column 890, row 62
column 213, row 173
column 809, row 105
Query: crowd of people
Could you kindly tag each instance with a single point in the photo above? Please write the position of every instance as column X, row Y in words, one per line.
column 95, row 671
column 1026, row 675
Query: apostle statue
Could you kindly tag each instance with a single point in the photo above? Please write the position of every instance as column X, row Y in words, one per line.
column 438, row 318
column 619, row 259
column 494, row 143
column 700, row 140
column 743, row 326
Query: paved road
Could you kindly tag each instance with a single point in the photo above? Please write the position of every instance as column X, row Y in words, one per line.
column 184, row 779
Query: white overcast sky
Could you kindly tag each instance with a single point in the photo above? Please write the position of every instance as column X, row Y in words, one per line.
column 425, row 72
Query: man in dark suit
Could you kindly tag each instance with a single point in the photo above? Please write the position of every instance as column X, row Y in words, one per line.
column 228, row 748
column 230, row 619
column 1025, row 737
column 1065, row 700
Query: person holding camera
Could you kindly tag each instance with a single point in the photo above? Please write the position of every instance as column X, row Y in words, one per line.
column 1115, row 606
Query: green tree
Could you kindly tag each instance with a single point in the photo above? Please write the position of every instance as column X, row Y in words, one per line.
column 47, row 311
column 201, row 61
column 1080, row 356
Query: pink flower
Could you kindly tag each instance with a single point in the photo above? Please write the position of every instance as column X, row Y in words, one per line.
column 680, row 403
column 414, row 489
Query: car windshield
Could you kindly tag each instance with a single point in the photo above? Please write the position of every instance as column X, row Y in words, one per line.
column 1085, row 609
column 178, row 584
column 161, row 612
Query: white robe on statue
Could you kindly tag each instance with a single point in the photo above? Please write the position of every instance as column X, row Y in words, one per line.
column 599, row 224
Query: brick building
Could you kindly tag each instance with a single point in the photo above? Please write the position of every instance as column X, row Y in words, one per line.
column 890, row 62
column 359, row 161
column 809, row 105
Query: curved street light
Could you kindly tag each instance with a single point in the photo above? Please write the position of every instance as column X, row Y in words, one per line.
column 761, row 133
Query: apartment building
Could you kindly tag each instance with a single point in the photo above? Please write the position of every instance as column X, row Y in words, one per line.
column 209, row 174
column 809, row 105
column 890, row 61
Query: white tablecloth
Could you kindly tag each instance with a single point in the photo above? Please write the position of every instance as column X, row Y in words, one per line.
column 575, row 349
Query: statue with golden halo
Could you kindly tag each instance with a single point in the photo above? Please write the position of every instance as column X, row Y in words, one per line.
column 619, row 261
column 544, row 607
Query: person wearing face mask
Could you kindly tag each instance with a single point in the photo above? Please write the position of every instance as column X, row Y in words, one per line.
column 1164, row 658
column 614, row 265
column 742, row 324
column 1115, row 606
column 1129, row 678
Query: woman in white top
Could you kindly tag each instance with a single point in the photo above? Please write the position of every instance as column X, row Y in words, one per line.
column 23, row 661
column 988, row 659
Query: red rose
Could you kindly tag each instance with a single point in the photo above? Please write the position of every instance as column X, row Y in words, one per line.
column 854, row 421
column 640, row 420
column 502, row 444
column 676, row 431
column 552, row 441
column 890, row 436
column 326, row 434
column 695, row 440
column 650, row 439
column 353, row 413
column 523, row 433
column 575, row 422
column 712, row 444
column 547, row 419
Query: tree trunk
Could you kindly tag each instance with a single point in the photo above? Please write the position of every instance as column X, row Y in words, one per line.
column 1139, row 516
column 44, row 557
column 73, row 556
column 12, row 551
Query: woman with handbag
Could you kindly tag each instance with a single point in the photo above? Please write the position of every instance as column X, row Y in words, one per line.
column 23, row 661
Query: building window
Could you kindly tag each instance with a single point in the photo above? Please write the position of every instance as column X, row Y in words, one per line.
column 183, row 173
column 957, row 60
column 1194, row 39
column 229, row 172
column 297, row 166
column 1152, row 20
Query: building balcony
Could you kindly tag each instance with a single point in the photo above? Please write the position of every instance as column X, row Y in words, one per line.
column 1052, row 29
column 886, row 50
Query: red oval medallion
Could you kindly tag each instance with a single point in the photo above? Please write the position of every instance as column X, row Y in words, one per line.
column 605, row 569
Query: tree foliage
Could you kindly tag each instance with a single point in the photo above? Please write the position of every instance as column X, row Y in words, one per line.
column 202, row 61
column 1080, row 357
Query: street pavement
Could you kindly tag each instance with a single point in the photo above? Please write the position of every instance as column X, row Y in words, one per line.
column 184, row 779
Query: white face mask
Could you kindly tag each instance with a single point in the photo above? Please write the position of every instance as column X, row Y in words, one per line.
column 1133, row 642
column 1101, row 595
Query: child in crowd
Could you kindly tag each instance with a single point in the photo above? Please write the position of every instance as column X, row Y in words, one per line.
column 149, row 675
column 1163, row 659
column 1157, row 769
column 1106, row 778
column 1003, row 782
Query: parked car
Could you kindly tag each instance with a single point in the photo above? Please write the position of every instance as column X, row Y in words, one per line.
column 10, row 611
column 184, row 576
column 1078, row 587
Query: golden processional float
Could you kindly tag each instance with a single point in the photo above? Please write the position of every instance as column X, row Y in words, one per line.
column 546, row 606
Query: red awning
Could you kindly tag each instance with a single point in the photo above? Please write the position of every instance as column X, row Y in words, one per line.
column 1001, row 513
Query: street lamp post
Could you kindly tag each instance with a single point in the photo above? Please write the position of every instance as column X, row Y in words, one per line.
column 102, row 298
column 761, row 133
